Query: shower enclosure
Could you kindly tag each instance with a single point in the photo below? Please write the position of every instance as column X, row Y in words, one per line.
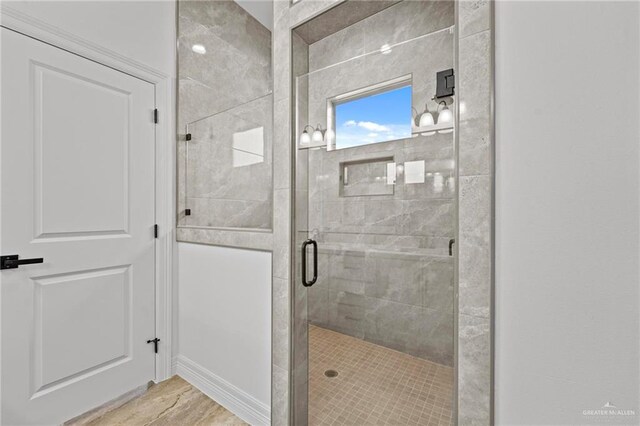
column 226, row 114
column 375, row 214
column 361, row 131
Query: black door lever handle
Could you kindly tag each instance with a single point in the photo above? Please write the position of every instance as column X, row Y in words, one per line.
column 12, row 261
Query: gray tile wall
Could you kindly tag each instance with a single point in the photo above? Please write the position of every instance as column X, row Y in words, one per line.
column 282, row 286
column 226, row 90
column 387, row 248
column 475, row 222
column 331, row 74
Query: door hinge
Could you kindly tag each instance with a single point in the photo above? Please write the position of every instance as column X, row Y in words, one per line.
column 155, row 230
column 155, row 344
column 187, row 137
column 155, row 115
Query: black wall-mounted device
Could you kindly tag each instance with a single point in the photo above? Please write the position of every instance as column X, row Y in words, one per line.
column 445, row 83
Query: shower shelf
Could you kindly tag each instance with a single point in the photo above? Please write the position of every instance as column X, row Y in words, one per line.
column 436, row 127
column 311, row 145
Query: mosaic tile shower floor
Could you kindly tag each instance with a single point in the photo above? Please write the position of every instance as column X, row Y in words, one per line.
column 375, row 385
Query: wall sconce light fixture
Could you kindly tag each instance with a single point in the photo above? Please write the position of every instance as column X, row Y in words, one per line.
column 317, row 136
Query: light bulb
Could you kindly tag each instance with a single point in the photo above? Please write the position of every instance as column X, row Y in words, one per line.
column 317, row 137
column 446, row 116
column 305, row 138
column 198, row 48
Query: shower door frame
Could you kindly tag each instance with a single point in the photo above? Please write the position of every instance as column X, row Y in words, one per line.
column 473, row 335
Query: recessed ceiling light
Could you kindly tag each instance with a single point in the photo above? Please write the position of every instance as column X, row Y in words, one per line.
column 198, row 48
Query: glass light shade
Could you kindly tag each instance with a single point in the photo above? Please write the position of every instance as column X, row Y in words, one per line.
column 446, row 116
column 317, row 137
column 329, row 136
column 305, row 139
column 426, row 119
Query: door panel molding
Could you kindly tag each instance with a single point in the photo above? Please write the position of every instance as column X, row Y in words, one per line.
column 75, row 285
column 164, row 162
column 60, row 219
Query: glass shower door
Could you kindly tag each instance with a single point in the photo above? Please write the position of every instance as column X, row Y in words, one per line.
column 375, row 207
column 227, row 169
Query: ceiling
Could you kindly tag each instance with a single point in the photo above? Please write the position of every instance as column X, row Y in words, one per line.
column 340, row 17
column 262, row 10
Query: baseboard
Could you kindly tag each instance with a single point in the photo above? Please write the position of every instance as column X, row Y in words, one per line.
column 233, row 399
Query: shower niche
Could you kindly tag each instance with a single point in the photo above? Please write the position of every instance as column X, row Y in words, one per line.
column 370, row 177
column 375, row 187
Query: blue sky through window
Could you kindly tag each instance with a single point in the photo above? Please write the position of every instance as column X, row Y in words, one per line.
column 381, row 117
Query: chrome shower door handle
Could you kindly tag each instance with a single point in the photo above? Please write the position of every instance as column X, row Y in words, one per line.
column 304, row 263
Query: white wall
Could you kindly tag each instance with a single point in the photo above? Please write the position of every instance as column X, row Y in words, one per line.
column 567, row 214
column 225, row 315
column 140, row 30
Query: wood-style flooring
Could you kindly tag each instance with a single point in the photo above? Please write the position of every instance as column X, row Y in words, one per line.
column 172, row 402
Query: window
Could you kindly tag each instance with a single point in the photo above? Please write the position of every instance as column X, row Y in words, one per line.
column 373, row 115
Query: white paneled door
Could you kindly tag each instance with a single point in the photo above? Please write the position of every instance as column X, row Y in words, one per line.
column 77, row 161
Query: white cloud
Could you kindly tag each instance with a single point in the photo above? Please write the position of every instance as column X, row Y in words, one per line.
column 350, row 123
column 372, row 135
column 373, row 127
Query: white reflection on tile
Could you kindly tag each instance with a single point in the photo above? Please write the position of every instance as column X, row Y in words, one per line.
column 248, row 147
column 438, row 182
column 391, row 173
column 414, row 171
